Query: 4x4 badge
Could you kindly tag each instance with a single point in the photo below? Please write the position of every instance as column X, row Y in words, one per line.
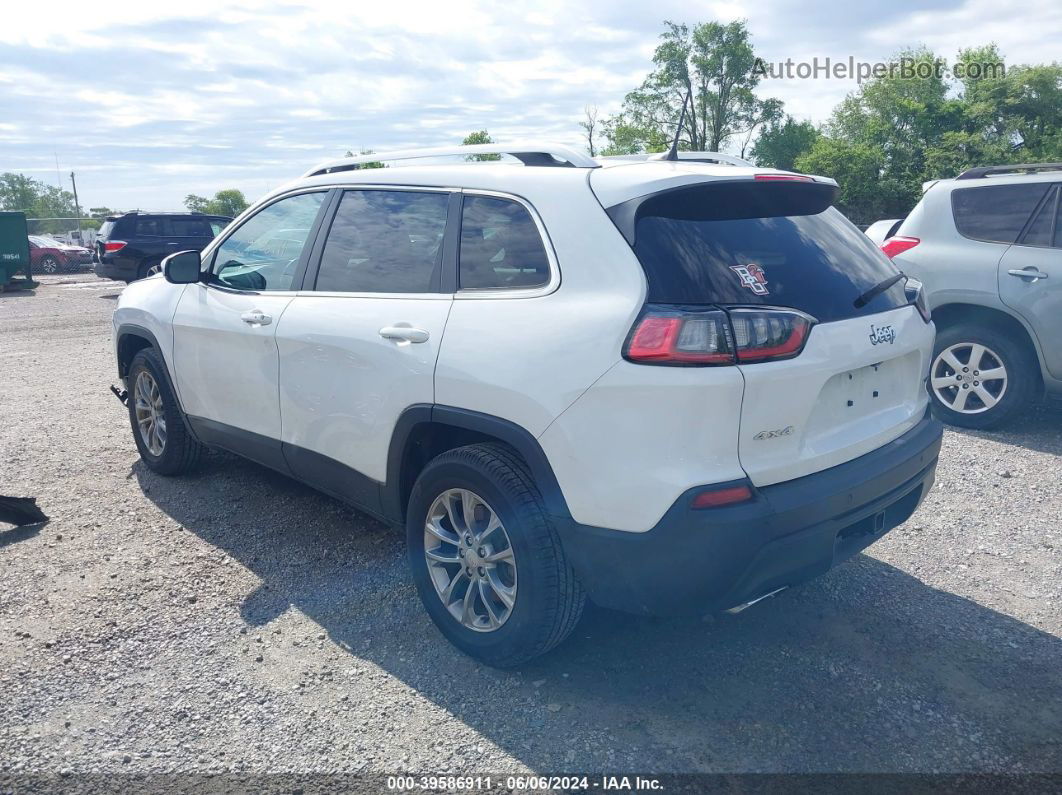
column 752, row 277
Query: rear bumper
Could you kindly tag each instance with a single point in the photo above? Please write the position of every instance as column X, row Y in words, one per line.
column 115, row 267
column 703, row 561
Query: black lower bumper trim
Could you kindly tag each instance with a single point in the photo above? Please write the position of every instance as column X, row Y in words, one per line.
column 704, row 561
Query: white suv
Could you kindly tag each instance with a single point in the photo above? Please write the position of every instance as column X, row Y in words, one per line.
column 666, row 386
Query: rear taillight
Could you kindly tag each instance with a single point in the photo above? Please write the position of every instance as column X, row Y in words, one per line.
column 761, row 335
column 113, row 245
column 898, row 245
column 688, row 336
column 676, row 336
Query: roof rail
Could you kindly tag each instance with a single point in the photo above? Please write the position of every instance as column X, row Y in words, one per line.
column 530, row 154
column 697, row 157
column 987, row 171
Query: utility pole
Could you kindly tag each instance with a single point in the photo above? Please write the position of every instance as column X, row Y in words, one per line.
column 77, row 209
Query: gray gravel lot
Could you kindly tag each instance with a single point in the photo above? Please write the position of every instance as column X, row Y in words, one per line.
column 238, row 621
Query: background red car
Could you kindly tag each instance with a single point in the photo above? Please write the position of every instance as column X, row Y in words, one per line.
column 51, row 256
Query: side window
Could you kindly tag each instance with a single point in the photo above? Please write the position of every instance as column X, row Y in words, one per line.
column 995, row 213
column 384, row 241
column 500, row 246
column 264, row 252
column 188, row 227
column 148, row 227
column 216, row 227
column 1041, row 231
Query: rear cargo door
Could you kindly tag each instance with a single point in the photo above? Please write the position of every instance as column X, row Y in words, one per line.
column 859, row 380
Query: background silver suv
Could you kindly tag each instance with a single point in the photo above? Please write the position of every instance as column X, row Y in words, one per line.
column 987, row 245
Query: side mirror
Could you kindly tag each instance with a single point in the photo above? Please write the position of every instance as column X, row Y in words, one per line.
column 183, row 267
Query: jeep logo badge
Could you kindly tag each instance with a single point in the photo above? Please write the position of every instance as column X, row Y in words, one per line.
column 879, row 335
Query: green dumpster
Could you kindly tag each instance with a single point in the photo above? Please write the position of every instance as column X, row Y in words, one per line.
column 14, row 251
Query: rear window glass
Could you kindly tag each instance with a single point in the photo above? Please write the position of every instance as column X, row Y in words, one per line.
column 995, row 213
column 817, row 263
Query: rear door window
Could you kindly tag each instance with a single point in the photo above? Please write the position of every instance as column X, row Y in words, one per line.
column 384, row 241
column 995, row 213
column 819, row 263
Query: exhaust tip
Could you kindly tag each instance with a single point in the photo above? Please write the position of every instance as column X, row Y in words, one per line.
column 746, row 605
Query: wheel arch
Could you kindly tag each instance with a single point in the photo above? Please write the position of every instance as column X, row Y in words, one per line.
column 953, row 314
column 424, row 431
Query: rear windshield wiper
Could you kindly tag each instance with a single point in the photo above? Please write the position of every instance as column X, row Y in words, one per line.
column 877, row 290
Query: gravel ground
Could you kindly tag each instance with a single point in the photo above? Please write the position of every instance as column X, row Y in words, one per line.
column 238, row 621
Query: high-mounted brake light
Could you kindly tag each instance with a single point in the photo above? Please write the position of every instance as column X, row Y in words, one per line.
column 784, row 177
column 114, row 245
column 690, row 336
column 716, row 497
column 898, row 245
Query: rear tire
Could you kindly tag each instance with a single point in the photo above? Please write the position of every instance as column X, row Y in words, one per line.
column 547, row 599
column 161, row 436
column 49, row 264
column 961, row 394
column 149, row 268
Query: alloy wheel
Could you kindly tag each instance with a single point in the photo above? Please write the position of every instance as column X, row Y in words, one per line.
column 50, row 265
column 470, row 560
column 150, row 413
column 156, row 268
column 968, row 378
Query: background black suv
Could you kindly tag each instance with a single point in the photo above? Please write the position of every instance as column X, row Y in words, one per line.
column 132, row 245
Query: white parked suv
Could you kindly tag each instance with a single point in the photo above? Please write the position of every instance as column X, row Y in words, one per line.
column 666, row 386
column 988, row 247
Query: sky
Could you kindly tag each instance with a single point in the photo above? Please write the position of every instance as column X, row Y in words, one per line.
column 148, row 102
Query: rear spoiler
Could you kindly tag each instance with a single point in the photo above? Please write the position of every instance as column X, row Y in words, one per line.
column 764, row 196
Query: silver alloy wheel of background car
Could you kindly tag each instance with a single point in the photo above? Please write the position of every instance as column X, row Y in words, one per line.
column 968, row 377
column 150, row 413
column 470, row 560
column 156, row 268
column 49, row 264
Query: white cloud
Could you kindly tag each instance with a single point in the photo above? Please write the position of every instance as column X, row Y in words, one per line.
column 153, row 101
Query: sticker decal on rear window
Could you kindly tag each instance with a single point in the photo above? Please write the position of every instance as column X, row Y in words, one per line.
column 752, row 277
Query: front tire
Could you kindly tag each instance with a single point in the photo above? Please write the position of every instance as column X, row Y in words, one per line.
column 980, row 376
column 518, row 597
column 161, row 436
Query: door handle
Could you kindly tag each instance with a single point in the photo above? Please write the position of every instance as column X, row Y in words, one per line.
column 1030, row 272
column 256, row 317
column 404, row 333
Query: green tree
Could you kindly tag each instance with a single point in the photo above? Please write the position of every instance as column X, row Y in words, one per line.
column 713, row 64
column 38, row 200
column 479, row 137
column 866, row 193
column 229, row 202
column 782, row 142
